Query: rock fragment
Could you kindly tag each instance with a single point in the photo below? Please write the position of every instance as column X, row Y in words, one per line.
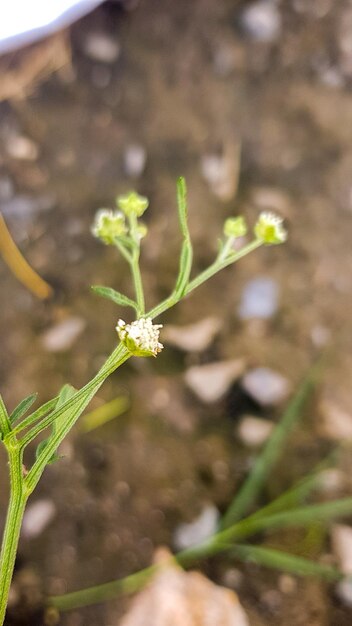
column 193, row 337
column 212, row 381
column 37, row 517
column 265, row 386
column 62, row 335
column 253, row 431
column 203, row 527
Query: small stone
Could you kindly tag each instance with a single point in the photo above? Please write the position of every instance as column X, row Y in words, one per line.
column 262, row 21
column 211, row 382
column 193, row 337
column 37, row 517
column 259, row 299
column 135, row 158
column 220, row 171
column 23, row 206
column 62, row 335
column 203, row 527
column 100, row 47
column 6, row 188
column 22, row 148
column 341, row 540
column 266, row 386
column 254, row 431
column 335, row 421
column 331, row 481
column 287, row 584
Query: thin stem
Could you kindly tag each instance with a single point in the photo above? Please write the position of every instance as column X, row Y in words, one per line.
column 210, row 271
column 18, row 499
column 134, row 263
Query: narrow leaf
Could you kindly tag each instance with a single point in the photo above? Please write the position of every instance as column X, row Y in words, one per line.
column 105, row 413
column 5, row 426
column 36, row 415
column 283, row 561
column 182, row 205
column 23, row 407
column 115, row 296
column 249, row 491
column 186, row 256
column 66, row 392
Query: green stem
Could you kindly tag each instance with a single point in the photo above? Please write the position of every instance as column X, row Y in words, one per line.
column 77, row 403
column 134, row 263
column 18, row 499
column 210, row 271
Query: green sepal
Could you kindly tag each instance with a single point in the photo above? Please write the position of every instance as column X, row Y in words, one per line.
column 115, row 296
column 23, row 407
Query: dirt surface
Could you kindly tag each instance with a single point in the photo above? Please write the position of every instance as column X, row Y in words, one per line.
column 188, row 82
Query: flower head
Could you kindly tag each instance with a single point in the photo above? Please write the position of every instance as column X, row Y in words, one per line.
column 269, row 228
column 132, row 203
column 108, row 225
column 235, row 227
column 141, row 337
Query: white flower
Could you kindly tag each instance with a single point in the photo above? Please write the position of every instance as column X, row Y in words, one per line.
column 269, row 228
column 141, row 337
column 108, row 225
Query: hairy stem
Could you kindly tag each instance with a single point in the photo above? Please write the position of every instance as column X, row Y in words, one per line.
column 18, row 499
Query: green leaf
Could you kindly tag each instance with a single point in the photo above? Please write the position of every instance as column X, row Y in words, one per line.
column 283, row 561
column 105, row 413
column 182, row 206
column 66, row 392
column 115, row 296
column 36, row 415
column 249, row 491
column 5, row 426
column 186, row 256
column 23, row 407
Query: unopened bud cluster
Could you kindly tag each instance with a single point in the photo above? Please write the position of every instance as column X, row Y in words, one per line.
column 110, row 225
column 268, row 229
column 141, row 337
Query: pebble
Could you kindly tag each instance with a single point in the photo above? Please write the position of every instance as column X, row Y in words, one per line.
column 287, row 584
column 341, row 540
column 254, row 431
column 37, row 517
column 23, row 206
column 262, row 21
column 22, row 148
column 203, row 527
column 193, row 337
column 6, row 188
column 259, row 299
column 135, row 158
column 220, row 171
column 271, row 199
column 212, row 381
column 100, row 47
column 335, row 421
column 62, row 335
column 266, row 386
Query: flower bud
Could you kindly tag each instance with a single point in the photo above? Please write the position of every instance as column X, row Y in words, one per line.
column 141, row 337
column 108, row 225
column 235, row 227
column 269, row 229
column 132, row 204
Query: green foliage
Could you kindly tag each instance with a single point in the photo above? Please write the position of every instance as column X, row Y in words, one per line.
column 23, row 407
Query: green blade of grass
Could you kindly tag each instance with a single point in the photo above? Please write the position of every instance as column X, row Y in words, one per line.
column 23, row 407
column 283, row 561
column 249, row 491
column 105, row 413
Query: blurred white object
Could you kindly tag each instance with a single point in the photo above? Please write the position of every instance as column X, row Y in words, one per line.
column 24, row 21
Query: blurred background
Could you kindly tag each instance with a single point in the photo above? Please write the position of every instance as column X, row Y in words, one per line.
column 251, row 102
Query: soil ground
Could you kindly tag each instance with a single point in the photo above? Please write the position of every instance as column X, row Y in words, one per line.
column 188, row 82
